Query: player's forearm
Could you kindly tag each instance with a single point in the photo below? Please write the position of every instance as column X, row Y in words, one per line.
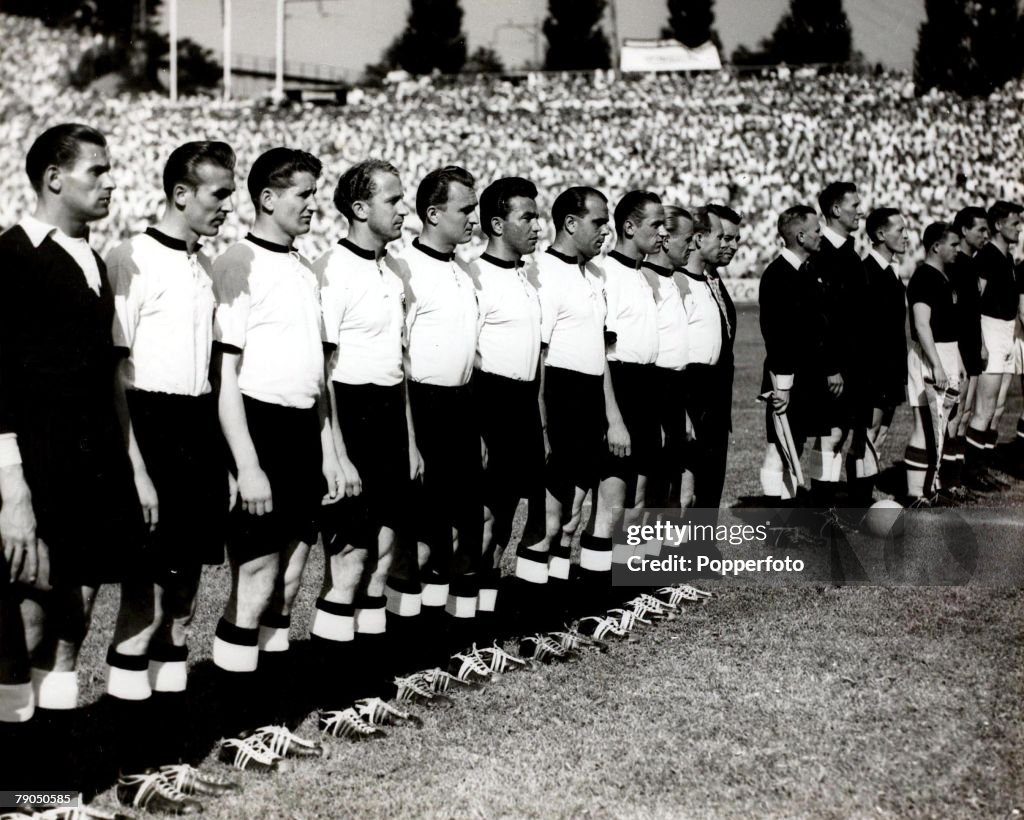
column 124, row 417
column 13, row 486
column 231, row 411
column 541, row 405
column 331, row 438
column 410, row 425
column 611, row 407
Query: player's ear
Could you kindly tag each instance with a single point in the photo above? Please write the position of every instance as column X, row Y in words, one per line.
column 570, row 224
column 360, row 209
column 497, row 226
column 178, row 193
column 268, row 198
column 51, row 179
column 433, row 216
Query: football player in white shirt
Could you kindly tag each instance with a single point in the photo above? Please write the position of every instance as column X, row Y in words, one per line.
column 362, row 301
column 268, row 367
column 441, row 332
column 163, row 298
column 505, row 381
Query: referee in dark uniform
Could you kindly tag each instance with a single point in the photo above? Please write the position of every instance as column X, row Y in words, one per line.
column 506, row 377
column 163, row 299
column 70, row 517
column 793, row 327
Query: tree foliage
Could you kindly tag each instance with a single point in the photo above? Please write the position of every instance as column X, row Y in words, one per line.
column 484, row 61
column 433, row 39
column 968, row 47
column 811, row 31
column 691, row 22
column 575, row 38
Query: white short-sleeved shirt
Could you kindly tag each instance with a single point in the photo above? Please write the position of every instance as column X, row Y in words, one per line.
column 573, row 310
column 362, row 301
column 441, row 318
column 673, row 328
column 163, row 313
column 268, row 307
column 632, row 312
column 703, row 316
column 509, row 340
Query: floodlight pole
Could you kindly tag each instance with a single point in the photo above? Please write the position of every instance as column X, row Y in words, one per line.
column 226, row 12
column 279, row 59
column 173, row 35
column 613, row 18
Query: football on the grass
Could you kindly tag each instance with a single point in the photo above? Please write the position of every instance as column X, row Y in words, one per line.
column 884, row 518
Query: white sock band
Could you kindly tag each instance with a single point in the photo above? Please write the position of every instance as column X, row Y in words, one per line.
column 128, row 684
column 371, row 621
column 559, row 567
column 17, row 702
column 168, row 676
column 55, row 690
column 435, row 594
column 598, row 560
column 487, row 600
column 273, row 639
column 460, row 607
column 405, row 604
column 232, row 657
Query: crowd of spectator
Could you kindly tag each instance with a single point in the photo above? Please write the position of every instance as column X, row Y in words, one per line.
column 758, row 143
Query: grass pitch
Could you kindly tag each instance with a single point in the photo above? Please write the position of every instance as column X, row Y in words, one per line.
column 799, row 702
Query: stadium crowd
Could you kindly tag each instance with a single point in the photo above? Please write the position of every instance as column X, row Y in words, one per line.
column 758, row 143
column 393, row 402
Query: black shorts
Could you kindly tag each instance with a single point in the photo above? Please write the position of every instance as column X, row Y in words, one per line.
column 576, row 430
column 670, row 405
column 83, row 492
column 635, row 387
column 509, row 418
column 287, row 442
column 181, row 443
column 451, row 492
column 373, row 425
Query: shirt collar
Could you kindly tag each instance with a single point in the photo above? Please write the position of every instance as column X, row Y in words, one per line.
column 569, row 260
column 442, row 257
column 833, row 236
column 168, row 241
column 792, row 258
column 362, row 253
column 270, row 246
column 658, row 269
column 622, row 259
column 498, row 263
column 37, row 230
column 881, row 260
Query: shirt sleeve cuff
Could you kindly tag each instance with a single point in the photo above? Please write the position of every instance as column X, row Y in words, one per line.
column 10, row 455
column 783, row 381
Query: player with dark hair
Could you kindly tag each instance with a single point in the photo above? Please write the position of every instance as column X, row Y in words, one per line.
column 362, row 300
column 441, row 325
column 886, row 378
column 163, row 301
column 1000, row 306
column 971, row 224
column 573, row 309
column 506, row 377
column 268, row 368
column 793, row 327
column 710, row 495
column 70, row 518
column 934, row 355
column 846, row 405
column 634, row 435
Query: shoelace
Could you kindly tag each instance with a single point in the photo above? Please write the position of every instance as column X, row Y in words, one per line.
column 603, row 625
column 150, row 785
column 471, row 663
column 346, row 723
column 656, row 605
column 278, row 739
column 250, row 750
column 410, row 689
column 436, row 680
column 545, row 647
column 626, row 618
column 184, row 777
column 500, row 660
column 377, row 711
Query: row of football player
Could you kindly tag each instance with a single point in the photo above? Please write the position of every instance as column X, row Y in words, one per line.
column 836, row 376
column 613, row 335
column 339, row 453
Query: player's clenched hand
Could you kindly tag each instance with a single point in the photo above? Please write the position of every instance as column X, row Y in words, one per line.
column 351, row 483
column 415, row 463
column 780, row 401
column 148, row 499
column 254, row 488
column 940, row 378
column 618, row 439
column 835, row 385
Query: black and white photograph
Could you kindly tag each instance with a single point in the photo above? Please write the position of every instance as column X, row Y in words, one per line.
column 551, row 408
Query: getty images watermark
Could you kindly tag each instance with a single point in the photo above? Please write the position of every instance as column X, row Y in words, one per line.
column 780, row 547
